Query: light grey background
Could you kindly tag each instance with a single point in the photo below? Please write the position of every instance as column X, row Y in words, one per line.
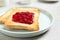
column 53, row 33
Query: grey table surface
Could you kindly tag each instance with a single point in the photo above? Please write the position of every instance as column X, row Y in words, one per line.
column 53, row 33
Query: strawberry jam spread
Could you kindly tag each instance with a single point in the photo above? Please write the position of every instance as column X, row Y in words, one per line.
column 23, row 17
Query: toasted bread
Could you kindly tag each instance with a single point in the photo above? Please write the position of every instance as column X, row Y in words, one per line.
column 14, row 25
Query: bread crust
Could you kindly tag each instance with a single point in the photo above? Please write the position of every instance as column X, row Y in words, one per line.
column 14, row 25
column 5, row 16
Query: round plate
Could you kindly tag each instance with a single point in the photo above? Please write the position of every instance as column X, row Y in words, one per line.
column 45, row 22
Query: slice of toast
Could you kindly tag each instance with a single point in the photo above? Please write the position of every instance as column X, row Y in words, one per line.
column 15, row 25
column 5, row 16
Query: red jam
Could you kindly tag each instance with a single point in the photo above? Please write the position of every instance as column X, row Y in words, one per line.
column 23, row 17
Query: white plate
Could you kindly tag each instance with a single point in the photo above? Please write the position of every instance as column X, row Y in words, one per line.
column 45, row 22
